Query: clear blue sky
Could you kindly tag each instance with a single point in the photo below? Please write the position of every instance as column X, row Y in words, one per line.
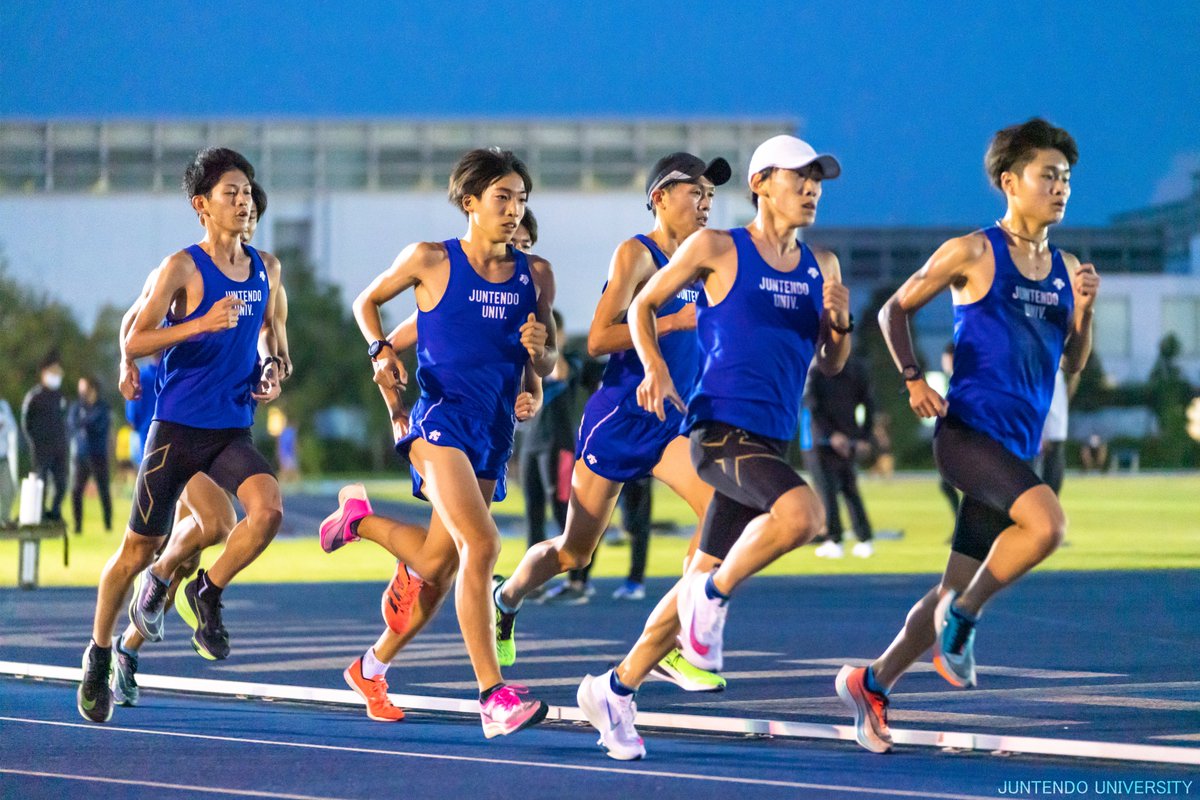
column 905, row 95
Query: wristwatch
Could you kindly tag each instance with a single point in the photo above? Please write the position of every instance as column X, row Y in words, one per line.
column 377, row 346
column 844, row 330
column 913, row 373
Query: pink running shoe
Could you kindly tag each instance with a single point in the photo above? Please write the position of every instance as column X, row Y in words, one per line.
column 353, row 505
column 505, row 712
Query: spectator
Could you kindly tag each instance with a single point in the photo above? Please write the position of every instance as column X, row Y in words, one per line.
column 89, row 421
column 839, row 440
column 8, row 462
column 635, row 515
column 44, row 423
column 1052, row 460
column 1094, row 453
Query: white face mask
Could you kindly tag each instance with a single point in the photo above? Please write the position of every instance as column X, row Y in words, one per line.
column 52, row 380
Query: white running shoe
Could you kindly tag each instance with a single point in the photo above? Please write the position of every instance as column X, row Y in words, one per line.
column 830, row 549
column 612, row 715
column 863, row 550
column 702, row 625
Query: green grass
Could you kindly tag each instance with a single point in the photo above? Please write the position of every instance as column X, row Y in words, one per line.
column 1134, row 522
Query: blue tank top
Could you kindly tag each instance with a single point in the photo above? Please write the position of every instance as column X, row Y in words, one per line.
column 1007, row 348
column 206, row 381
column 680, row 349
column 469, row 353
column 757, row 344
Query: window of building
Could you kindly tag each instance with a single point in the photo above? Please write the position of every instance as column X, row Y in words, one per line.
column 1181, row 316
column 1111, row 327
column 22, row 158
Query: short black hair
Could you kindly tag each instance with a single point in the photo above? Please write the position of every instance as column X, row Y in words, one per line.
column 259, row 195
column 1012, row 148
column 529, row 221
column 91, row 381
column 209, row 165
column 49, row 360
column 480, row 168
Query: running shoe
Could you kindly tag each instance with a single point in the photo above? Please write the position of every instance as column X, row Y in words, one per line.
column 506, row 629
column 830, row 549
column 124, row 681
column 399, row 598
column 374, row 692
column 630, row 590
column 146, row 605
column 863, row 550
column 505, row 712
column 353, row 505
column 954, row 652
column 675, row 669
column 612, row 715
column 567, row 593
column 870, row 709
column 203, row 616
column 94, row 697
column 702, row 624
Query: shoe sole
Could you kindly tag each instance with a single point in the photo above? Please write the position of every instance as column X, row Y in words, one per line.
column 583, row 696
column 136, row 618
column 350, row 682
column 192, row 619
column 661, row 674
column 939, row 663
column 495, row 729
column 866, row 738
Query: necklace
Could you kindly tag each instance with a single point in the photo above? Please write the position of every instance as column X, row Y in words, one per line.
column 1013, row 233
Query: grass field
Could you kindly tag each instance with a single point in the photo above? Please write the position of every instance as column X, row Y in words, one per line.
column 1125, row 522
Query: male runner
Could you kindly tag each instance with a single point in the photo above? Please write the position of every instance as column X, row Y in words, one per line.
column 617, row 440
column 1021, row 306
column 769, row 305
column 216, row 300
column 204, row 515
column 484, row 313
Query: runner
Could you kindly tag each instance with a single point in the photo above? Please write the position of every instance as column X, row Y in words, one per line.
column 484, row 313
column 216, row 299
column 618, row 441
column 1021, row 306
column 769, row 305
column 204, row 515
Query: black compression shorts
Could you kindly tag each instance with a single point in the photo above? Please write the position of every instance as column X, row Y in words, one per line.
column 990, row 477
column 174, row 454
column 748, row 472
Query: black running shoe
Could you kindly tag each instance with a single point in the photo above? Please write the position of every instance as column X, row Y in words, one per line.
column 210, row 639
column 94, row 698
column 146, row 605
column 124, row 679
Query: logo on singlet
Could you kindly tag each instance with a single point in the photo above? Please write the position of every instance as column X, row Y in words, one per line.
column 1058, row 284
column 493, row 304
column 1036, row 301
column 591, row 459
column 786, row 293
column 435, row 435
column 813, row 272
column 688, row 295
column 248, row 297
column 524, row 280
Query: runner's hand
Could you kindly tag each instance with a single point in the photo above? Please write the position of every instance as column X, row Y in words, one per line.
column 924, row 400
column 268, row 384
column 223, row 315
column 527, row 406
column 389, row 371
column 533, row 337
column 130, row 380
column 656, row 390
column 836, row 300
column 1085, row 283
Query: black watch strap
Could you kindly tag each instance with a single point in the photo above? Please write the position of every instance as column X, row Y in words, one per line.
column 844, row 330
column 912, row 373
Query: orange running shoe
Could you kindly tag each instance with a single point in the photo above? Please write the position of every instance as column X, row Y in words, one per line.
column 399, row 598
column 374, row 692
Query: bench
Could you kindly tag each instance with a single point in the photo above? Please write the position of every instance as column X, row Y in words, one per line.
column 29, row 538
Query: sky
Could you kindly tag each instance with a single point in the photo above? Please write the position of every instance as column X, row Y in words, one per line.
column 906, row 94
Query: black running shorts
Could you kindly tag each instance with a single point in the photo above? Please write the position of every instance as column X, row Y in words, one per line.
column 990, row 477
column 174, row 454
column 748, row 472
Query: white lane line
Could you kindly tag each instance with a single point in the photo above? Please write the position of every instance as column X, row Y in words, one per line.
column 179, row 787
column 509, row 762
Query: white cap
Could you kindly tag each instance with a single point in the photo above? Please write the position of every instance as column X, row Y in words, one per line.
column 788, row 152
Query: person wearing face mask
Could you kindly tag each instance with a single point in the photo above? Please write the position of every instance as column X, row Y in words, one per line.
column 89, row 421
column 44, row 423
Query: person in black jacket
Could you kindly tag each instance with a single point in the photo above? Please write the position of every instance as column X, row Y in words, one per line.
column 89, row 421
column 840, row 438
column 44, row 423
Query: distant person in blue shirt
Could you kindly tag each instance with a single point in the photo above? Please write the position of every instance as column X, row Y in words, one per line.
column 89, row 421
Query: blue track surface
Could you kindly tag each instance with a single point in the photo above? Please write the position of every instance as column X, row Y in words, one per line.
column 1100, row 656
